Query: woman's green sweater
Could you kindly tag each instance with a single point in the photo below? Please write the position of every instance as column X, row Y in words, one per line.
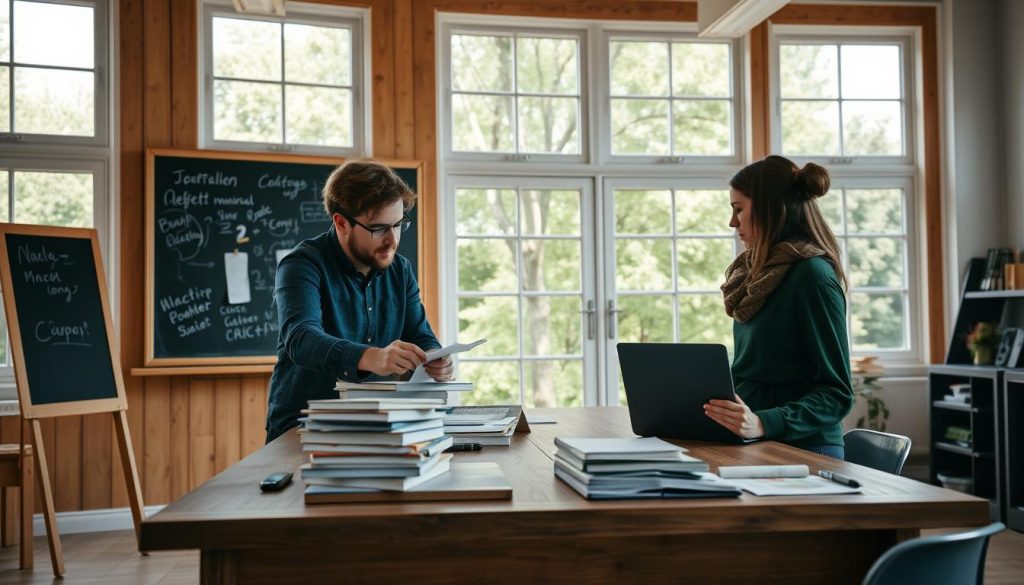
column 792, row 359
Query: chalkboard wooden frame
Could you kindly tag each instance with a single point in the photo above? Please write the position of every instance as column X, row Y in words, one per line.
column 28, row 409
column 222, row 364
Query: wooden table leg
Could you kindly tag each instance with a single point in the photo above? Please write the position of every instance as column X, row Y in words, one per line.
column 218, row 567
column 27, row 490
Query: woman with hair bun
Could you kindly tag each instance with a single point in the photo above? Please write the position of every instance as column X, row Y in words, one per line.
column 787, row 296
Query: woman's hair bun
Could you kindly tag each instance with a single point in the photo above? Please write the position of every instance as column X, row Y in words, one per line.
column 813, row 180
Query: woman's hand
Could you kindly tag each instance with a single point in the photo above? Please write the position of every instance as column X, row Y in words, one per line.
column 440, row 370
column 735, row 416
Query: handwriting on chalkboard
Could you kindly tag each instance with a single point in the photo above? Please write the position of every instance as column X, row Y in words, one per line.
column 49, row 274
column 55, row 333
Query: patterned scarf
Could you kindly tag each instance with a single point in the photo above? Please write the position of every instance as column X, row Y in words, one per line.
column 744, row 294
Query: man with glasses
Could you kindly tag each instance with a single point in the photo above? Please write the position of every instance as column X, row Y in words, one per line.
column 348, row 305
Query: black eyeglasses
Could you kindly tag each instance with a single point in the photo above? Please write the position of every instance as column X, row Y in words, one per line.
column 377, row 232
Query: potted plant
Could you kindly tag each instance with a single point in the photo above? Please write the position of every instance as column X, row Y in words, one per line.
column 865, row 385
column 982, row 342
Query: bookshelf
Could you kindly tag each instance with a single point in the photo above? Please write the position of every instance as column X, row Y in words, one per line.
column 1013, row 458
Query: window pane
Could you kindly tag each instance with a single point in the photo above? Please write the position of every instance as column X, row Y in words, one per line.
column 702, row 319
column 639, row 68
column 808, row 71
column 831, row 206
column 639, row 126
column 702, row 127
column 643, row 212
column 63, row 199
column 496, row 318
column 481, row 63
column 875, row 211
column 702, row 262
column 318, row 54
column 552, row 326
column 5, row 33
column 318, row 115
column 487, row 265
column 702, row 211
column 810, row 127
column 482, row 123
column 878, row 321
column 644, row 319
column 553, row 383
column 551, row 212
column 247, row 49
column 5, row 99
column 248, row 112
column 548, row 125
column 871, row 71
column 53, row 101
column 876, row 262
column 53, row 34
column 485, row 211
column 551, row 265
column 493, row 382
column 701, row 69
column 547, row 66
column 872, row 128
column 643, row 264
column 4, row 199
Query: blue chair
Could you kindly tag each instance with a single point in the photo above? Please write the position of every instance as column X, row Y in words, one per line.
column 882, row 451
column 956, row 559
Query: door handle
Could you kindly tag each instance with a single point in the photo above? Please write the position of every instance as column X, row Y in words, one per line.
column 612, row 319
column 591, row 313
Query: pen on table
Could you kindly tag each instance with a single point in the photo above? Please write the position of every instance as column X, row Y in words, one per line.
column 839, row 478
column 466, row 447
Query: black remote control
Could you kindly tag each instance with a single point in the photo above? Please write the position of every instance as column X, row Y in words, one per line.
column 276, row 481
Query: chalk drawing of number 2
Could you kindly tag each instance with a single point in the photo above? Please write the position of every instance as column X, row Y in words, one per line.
column 241, row 238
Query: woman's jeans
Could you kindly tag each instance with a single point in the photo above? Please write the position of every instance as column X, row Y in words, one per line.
column 834, row 451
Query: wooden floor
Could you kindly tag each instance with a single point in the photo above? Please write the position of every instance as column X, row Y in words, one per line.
column 110, row 558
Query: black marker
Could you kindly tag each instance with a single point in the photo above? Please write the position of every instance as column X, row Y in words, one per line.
column 841, row 479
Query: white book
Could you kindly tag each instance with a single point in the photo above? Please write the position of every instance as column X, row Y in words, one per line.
column 485, row 440
column 355, row 438
column 399, row 386
column 389, row 484
column 619, row 449
column 682, row 463
column 426, row 448
column 374, row 404
column 391, row 395
column 364, row 416
column 373, row 427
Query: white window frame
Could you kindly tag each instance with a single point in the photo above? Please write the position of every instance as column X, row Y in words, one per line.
column 101, row 99
column 445, row 86
column 356, row 19
column 589, row 344
column 95, row 155
column 839, row 36
column 736, row 99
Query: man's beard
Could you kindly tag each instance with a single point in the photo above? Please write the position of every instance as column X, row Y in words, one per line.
column 370, row 258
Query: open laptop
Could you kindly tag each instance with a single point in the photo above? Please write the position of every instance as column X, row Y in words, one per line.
column 667, row 385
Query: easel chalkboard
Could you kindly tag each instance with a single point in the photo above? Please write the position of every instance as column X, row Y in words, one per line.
column 208, row 209
column 65, row 361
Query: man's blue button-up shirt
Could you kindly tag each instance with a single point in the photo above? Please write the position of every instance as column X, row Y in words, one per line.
column 329, row 314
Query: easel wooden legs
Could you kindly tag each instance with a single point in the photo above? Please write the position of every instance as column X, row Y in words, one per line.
column 131, row 474
column 56, row 554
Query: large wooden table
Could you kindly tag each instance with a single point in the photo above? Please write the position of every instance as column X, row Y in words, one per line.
column 547, row 532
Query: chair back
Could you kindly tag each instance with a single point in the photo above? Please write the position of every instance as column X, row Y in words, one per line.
column 882, row 451
column 956, row 559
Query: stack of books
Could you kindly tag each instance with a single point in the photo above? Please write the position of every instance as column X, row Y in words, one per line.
column 428, row 390
column 359, row 445
column 483, row 425
column 608, row 469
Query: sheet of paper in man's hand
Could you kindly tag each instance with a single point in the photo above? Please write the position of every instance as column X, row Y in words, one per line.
column 420, row 375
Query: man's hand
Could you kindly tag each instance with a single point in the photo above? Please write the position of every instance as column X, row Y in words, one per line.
column 397, row 358
column 735, row 416
column 441, row 369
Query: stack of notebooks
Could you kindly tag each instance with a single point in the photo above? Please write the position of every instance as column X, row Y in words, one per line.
column 610, row 469
column 427, row 390
column 360, row 445
column 483, row 425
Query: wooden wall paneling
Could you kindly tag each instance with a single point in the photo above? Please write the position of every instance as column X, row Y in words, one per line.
column 156, row 463
column 405, row 105
column 200, row 431
column 383, row 78
column 184, row 74
column 179, row 447
column 97, row 455
column 760, row 96
column 424, row 88
column 67, row 463
column 924, row 18
column 254, row 413
column 227, row 428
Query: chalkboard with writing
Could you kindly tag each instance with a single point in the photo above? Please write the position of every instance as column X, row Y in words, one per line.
column 218, row 224
column 57, row 314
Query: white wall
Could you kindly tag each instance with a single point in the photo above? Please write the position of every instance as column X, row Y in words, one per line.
column 1012, row 21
